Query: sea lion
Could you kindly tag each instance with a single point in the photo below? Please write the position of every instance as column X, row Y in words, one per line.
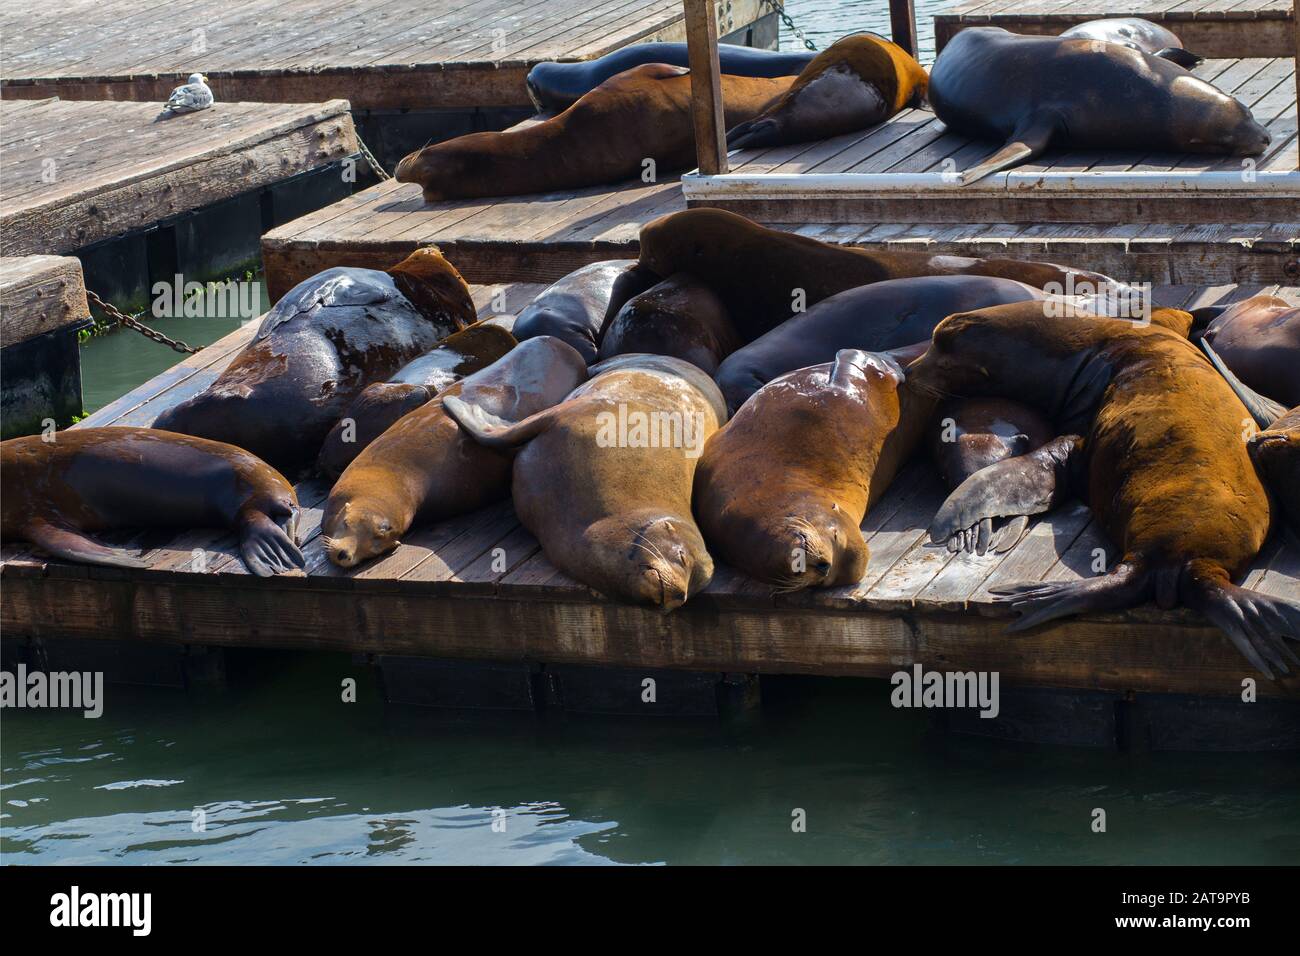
column 883, row 315
column 1032, row 92
column 782, row 488
column 554, row 87
column 575, row 308
column 1276, row 454
column 680, row 316
column 855, row 83
column 380, row 404
column 424, row 468
column 326, row 340
column 640, row 115
column 1152, row 440
column 1139, row 34
column 604, row 478
column 86, row 480
column 763, row 275
column 969, row 434
column 1259, row 340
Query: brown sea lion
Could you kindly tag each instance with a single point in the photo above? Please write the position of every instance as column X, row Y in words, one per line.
column 764, row 275
column 680, row 316
column 1032, row 92
column 604, row 478
column 87, row 480
column 858, row 81
column 326, row 340
column 380, row 404
column 1152, row 440
column 1259, row 340
column 1139, row 34
column 576, row 307
column 1276, row 454
column 424, row 468
column 783, row 488
column 606, row 137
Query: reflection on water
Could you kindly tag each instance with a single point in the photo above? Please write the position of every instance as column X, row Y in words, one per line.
column 280, row 771
column 825, row 21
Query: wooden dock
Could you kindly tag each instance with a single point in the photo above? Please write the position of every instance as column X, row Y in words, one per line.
column 478, row 588
column 400, row 54
column 78, row 173
column 1214, row 28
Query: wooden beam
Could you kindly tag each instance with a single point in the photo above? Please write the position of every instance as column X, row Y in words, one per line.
column 1295, row 27
column 902, row 24
column 706, row 87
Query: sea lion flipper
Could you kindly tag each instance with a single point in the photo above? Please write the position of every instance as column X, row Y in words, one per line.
column 759, row 131
column 1265, row 411
column 1029, row 139
column 491, row 430
column 64, row 542
column 1184, row 58
column 267, row 549
column 1038, row 602
column 1257, row 624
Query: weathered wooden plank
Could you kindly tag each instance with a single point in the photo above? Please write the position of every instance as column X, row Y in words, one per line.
column 39, row 294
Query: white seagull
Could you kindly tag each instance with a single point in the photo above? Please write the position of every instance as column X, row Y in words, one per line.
column 191, row 97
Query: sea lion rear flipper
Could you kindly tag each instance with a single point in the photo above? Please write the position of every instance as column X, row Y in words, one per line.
column 759, row 131
column 267, row 549
column 63, row 542
column 1038, row 602
column 491, row 430
column 1257, row 624
column 1029, row 139
column 1184, row 58
column 1265, row 411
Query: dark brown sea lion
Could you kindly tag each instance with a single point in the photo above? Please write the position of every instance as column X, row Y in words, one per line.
column 606, row 137
column 574, row 309
column 604, row 478
column 1259, row 340
column 380, row 404
column 326, row 340
column 764, row 275
column 883, row 315
column 424, row 468
column 88, row 480
column 1139, row 34
column 1032, row 92
column 1152, row 441
column 554, row 87
column 783, row 488
column 855, row 83
column 680, row 316
column 1276, row 454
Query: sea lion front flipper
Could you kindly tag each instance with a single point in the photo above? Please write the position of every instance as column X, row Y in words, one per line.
column 1029, row 139
column 64, row 542
column 267, row 549
column 1184, row 58
column 1265, row 411
column 491, row 430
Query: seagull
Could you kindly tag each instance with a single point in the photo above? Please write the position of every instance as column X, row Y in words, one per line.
column 191, row 97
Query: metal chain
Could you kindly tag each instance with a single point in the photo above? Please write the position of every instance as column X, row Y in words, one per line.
column 370, row 159
column 778, row 7
column 123, row 319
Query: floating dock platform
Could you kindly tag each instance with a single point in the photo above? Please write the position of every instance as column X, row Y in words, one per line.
column 478, row 588
column 1215, row 28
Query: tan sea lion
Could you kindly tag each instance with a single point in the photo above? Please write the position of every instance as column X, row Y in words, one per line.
column 87, row 480
column 380, row 404
column 326, row 340
column 606, row 137
column 783, row 488
column 604, row 478
column 858, row 81
column 424, row 468
column 680, row 316
column 1152, row 440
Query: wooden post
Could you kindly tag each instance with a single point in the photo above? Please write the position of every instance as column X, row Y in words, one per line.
column 706, row 86
column 902, row 24
column 1295, row 25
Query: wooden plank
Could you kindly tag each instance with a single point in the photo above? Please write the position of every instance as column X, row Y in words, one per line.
column 39, row 294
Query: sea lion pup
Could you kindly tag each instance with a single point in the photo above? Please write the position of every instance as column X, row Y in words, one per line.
column 606, row 137
column 1152, row 440
column 554, row 87
column 576, row 307
column 883, row 315
column 604, row 478
column 782, row 489
column 1259, row 340
column 967, row 435
column 763, row 275
column 326, row 340
column 1032, row 92
column 680, row 316
column 56, row 493
column 1139, row 34
column 424, row 468
column 855, row 83
column 380, row 404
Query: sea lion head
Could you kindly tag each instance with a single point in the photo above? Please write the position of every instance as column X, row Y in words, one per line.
column 357, row 529
column 1214, row 122
column 957, row 363
column 813, row 545
column 448, row 170
column 647, row 557
column 433, row 286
